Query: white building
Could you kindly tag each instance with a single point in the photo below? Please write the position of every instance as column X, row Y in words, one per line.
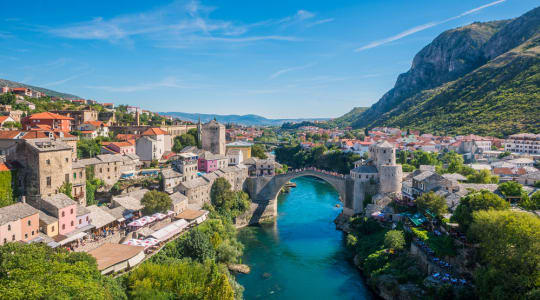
column 152, row 144
column 526, row 143
column 97, row 128
column 235, row 156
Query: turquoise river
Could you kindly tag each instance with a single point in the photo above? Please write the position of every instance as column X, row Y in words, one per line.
column 302, row 256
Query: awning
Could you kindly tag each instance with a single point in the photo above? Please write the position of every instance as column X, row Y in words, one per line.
column 72, row 238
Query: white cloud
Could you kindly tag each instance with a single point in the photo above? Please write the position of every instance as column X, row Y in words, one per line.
column 424, row 27
column 287, row 70
column 179, row 25
column 168, row 82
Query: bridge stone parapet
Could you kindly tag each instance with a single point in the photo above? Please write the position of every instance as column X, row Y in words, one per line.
column 264, row 191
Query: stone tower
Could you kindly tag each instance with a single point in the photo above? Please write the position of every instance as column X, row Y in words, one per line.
column 213, row 137
column 390, row 173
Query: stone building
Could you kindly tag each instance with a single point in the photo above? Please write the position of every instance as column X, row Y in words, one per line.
column 109, row 167
column 79, row 116
column 213, row 137
column 153, row 143
column 198, row 190
column 379, row 177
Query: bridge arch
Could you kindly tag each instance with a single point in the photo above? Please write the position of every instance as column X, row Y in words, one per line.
column 336, row 181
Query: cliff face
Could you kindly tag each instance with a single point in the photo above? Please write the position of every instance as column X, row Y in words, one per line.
column 450, row 58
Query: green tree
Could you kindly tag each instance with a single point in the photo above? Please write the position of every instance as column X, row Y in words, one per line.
column 66, row 188
column 482, row 200
column 258, row 151
column 482, row 176
column 7, row 99
column 454, row 161
column 197, row 246
column 156, row 201
column 36, row 271
column 8, row 188
column 394, row 239
column 511, row 189
column 533, row 203
column 180, row 280
column 87, row 148
column 435, row 203
column 509, row 254
column 219, row 193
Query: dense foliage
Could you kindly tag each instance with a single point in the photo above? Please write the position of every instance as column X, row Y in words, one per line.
column 394, row 239
column 432, row 202
column 482, row 200
column 320, row 157
column 156, row 201
column 37, row 271
column 258, row 151
column 8, row 188
column 187, row 139
column 179, row 280
column 227, row 203
column 509, row 254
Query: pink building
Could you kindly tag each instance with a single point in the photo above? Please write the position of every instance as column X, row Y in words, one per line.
column 63, row 208
column 18, row 222
column 209, row 162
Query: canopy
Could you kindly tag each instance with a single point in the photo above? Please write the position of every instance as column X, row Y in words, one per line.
column 148, row 219
column 138, row 223
column 170, row 230
column 159, row 216
column 170, row 213
column 72, row 238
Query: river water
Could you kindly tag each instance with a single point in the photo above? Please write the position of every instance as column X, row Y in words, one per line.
column 302, row 256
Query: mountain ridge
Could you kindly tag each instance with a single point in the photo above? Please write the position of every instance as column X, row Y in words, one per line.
column 455, row 57
column 52, row 93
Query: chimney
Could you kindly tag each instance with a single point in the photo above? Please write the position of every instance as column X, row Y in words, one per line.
column 137, row 117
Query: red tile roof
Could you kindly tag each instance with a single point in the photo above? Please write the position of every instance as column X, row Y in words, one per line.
column 4, row 167
column 30, row 135
column 3, row 118
column 95, row 123
column 154, row 131
column 8, row 135
column 48, row 116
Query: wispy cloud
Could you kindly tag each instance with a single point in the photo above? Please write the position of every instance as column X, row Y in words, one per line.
column 287, row 70
column 424, row 27
column 177, row 25
column 61, row 81
column 168, row 82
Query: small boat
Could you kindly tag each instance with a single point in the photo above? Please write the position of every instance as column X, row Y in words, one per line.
column 290, row 184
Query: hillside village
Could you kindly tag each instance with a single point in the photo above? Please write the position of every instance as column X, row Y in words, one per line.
column 75, row 172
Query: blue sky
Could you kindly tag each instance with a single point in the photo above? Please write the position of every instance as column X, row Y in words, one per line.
column 278, row 59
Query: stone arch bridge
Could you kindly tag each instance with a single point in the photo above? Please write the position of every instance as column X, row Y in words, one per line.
column 264, row 191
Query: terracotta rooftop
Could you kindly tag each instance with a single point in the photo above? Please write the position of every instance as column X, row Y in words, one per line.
column 48, row 116
column 154, row 131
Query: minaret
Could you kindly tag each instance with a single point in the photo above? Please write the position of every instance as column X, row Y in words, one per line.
column 137, row 117
column 199, row 131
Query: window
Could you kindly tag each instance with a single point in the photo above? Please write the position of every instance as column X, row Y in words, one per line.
column 100, row 170
column 71, row 211
column 48, row 162
column 32, row 233
column 52, row 228
column 74, row 175
column 63, row 214
column 26, row 235
column 13, row 237
column 72, row 223
column 29, row 223
column 80, row 221
column 9, row 227
column 67, row 160
column 48, row 181
column 5, row 240
column 63, row 226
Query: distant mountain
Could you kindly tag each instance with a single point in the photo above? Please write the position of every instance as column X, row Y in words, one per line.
column 348, row 118
column 246, row 120
column 13, row 84
column 482, row 78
